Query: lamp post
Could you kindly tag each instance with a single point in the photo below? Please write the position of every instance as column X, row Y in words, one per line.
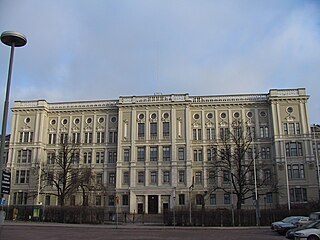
column 12, row 39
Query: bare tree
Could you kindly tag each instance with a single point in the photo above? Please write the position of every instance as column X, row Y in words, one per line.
column 236, row 167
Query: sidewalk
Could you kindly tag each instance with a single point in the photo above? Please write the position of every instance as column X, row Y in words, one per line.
column 120, row 226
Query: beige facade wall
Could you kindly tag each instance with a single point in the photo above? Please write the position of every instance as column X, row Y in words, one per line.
column 156, row 140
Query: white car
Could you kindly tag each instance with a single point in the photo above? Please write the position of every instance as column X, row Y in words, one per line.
column 308, row 234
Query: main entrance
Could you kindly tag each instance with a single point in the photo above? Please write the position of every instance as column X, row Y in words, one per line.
column 153, row 204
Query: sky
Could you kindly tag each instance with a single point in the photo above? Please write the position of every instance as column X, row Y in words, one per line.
column 103, row 49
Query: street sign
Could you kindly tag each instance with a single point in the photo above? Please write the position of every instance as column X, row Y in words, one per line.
column 6, row 180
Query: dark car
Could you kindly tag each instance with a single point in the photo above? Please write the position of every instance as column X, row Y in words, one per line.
column 290, row 233
column 288, row 223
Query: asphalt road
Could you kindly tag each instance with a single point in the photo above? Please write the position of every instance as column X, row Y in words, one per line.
column 99, row 232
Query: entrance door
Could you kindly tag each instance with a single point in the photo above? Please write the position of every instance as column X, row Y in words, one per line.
column 153, row 204
column 140, row 208
column 165, row 207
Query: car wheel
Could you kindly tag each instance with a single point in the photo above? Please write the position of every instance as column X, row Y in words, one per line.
column 313, row 238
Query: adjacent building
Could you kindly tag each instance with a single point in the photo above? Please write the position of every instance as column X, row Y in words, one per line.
column 153, row 152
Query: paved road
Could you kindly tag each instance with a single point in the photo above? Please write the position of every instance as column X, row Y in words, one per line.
column 98, row 232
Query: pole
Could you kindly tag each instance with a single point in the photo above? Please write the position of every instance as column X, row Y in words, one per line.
column 5, row 114
column 287, row 177
column 317, row 157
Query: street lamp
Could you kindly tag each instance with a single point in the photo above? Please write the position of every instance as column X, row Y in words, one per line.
column 12, row 39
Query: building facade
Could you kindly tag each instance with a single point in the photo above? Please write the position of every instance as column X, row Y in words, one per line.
column 152, row 153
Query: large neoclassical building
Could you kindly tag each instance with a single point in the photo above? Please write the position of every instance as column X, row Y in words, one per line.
column 152, row 152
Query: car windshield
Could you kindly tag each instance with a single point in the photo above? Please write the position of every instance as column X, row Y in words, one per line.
column 288, row 219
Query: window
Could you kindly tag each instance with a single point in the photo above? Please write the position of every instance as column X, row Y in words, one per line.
column 291, row 128
column 112, row 178
column 153, row 177
column 22, row 176
column 213, row 199
column 140, row 130
column 226, row 198
column 267, row 175
column 224, row 133
column 269, row 197
column 126, row 177
column 181, row 176
column 296, row 171
column 125, row 200
column 226, row 176
column 75, row 158
column 298, row 195
column 166, row 155
column 141, row 153
column 264, row 131
column 87, row 157
column 100, row 137
column 112, row 157
column 51, row 156
column 153, row 130
column 210, row 134
column 24, row 156
column 198, row 177
column 98, row 200
column 166, row 177
column 197, row 134
column 181, row 199
column 26, row 137
column 181, row 154
column 100, row 157
column 99, row 178
column 52, row 138
column 166, row 130
column 75, row 137
column 199, row 199
column 20, row 198
column 251, row 132
column 197, row 155
column 153, row 153
column 111, row 200
column 126, row 155
column 64, row 138
column 294, row 149
column 140, row 177
column 88, row 137
column 113, row 136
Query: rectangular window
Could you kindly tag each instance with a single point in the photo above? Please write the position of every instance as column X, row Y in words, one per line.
column 298, row 195
column 226, row 176
column 112, row 157
column 226, row 198
column 126, row 177
column 24, row 156
column 87, row 157
column 224, row 133
column 99, row 178
column 22, row 176
column 100, row 157
column 269, row 197
column 181, row 199
column 153, row 130
column 126, row 155
column 52, row 138
column 113, row 136
column 197, row 155
column 166, row 177
column 181, row 176
column 153, row 177
column 166, row 153
column 251, row 132
column 75, row 137
column 26, row 137
column 153, row 153
column 51, row 156
column 125, row 200
column 213, row 199
column 140, row 177
column 267, row 175
column 140, row 130
column 141, row 151
column 181, row 154
column 294, row 149
column 210, row 134
column 197, row 134
column 198, row 177
column 64, row 138
column 88, row 137
column 296, row 171
column 112, row 178
column 98, row 200
column 111, row 200
column 166, row 130
column 100, row 137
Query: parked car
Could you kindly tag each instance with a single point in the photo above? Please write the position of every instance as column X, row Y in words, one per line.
column 314, row 216
column 313, row 224
column 289, row 223
column 308, row 234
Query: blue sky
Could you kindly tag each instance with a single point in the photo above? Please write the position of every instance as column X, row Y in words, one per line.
column 103, row 49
